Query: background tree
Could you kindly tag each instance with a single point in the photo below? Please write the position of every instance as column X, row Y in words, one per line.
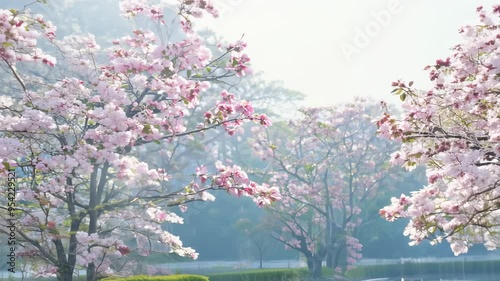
column 454, row 130
column 328, row 164
column 74, row 144
column 209, row 227
column 258, row 235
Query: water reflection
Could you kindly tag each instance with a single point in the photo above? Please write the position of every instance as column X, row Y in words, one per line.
column 473, row 277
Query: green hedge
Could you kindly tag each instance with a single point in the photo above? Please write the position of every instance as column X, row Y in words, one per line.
column 179, row 277
column 260, row 275
column 442, row 269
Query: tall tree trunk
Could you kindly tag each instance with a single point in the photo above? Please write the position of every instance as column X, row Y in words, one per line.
column 65, row 274
column 339, row 255
column 314, row 265
column 91, row 272
column 64, row 269
column 76, row 220
column 330, row 259
column 97, row 184
column 260, row 259
column 333, row 257
column 261, row 248
column 336, row 246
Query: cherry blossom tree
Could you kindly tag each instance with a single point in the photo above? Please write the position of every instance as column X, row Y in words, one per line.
column 327, row 164
column 454, row 130
column 72, row 144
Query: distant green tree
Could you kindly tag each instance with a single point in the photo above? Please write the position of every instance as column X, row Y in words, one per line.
column 258, row 234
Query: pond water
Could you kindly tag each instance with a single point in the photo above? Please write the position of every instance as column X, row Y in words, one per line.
column 470, row 277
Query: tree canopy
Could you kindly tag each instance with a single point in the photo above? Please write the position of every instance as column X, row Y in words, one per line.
column 71, row 143
column 453, row 129
column 328, row 163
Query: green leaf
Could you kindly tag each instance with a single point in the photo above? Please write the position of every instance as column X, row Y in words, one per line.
column 417, row 155
column 189, row 189
column 402, row 97
column 189, row 73
column 410, row 164
column 8, row 167
column 147, row 129
column 309, row 168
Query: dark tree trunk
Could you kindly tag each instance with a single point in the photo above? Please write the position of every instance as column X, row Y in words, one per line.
column 314, row 266
column 65, row 274
column 333, row 258
column 260, row 259
column 97, row 185
column 330, row 260
column 261, row 248
column 336, row 247
column 65, row 271
column 91, row 272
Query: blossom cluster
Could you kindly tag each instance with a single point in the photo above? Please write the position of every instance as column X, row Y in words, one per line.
column 454, row 130
column 19, row 34
column 328, row 163
column 77, row 139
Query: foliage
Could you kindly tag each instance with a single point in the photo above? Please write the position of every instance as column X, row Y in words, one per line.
column 178, row 277
column 454, row 130
column 328, row 164
column 73, row 143
column 260, row 275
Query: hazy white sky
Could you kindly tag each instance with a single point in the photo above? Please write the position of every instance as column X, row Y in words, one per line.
column 316, row 46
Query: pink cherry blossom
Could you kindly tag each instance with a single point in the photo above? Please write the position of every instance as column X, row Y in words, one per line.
column 452, row 129
column 80, row 137
column 326, row 164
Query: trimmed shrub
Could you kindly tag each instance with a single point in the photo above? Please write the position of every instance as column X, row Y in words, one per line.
column 179, row 277
column 260, row 275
